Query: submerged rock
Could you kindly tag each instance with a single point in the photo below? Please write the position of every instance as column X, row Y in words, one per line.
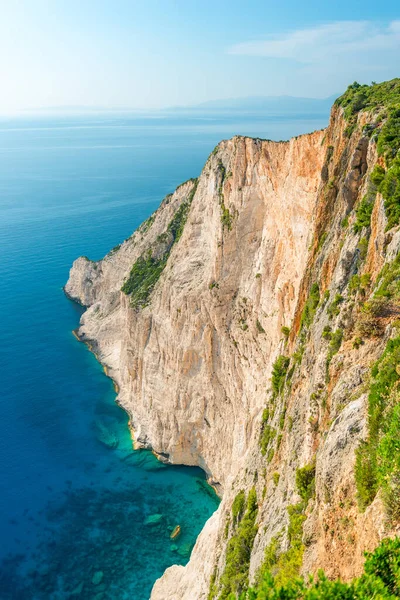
column 97, row 577
column 153, row 519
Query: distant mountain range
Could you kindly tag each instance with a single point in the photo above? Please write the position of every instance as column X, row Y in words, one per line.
column 264, row 104
column 259, row 105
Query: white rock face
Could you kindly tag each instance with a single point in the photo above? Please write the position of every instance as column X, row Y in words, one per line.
column 193, row 367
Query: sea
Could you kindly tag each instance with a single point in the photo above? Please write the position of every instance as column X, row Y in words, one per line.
column 83, row 515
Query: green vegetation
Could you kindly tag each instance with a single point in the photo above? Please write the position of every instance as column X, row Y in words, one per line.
column 385, row 301
column 226, row 216
column 389, row 280
column 260, row 328
column 334, row 345
column 285, row 331
column 142, row 279
column 363, row 248
column 145, row 226
column 310, row 306
column 378, row 457
column 380, row 580
column 384, row 100
column 282, row 567
column 345, row 222
column 147, row 269
column 327, row 332
column 279, row 371
column 268, row 434
column 359, row 283
column 364, row 211
column 238, row 506
column 235, row 578
column 323, row 237
column 275, row 478
column 305, row 481
column 334, row 308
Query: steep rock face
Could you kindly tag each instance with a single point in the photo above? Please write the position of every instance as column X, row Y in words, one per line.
column 193, row 361
column 192, row 367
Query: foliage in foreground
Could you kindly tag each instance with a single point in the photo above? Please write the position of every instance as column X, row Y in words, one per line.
column 234, row 579
column 380, row 581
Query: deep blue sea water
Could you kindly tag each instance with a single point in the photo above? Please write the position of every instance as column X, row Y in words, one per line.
column 70, row 505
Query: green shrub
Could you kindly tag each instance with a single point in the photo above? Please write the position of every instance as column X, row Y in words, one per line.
column 289, row 562
column 305, row 481
column 143, row 276
column 327, row 332
column 226, row 217
column 387, row 96
column 238, row 506
column 285, row 331
column 260, row 328
column 213, row 590
column 378, row 457
column 363, row 213
column 268, row 434
column 380, row 580
column 377, row 175
column 362, row 248
column 390, row 190
column 279, row 371
column 333, row 309
column 147, row 269
column 389, row 280
column 235, row 578
column 354, row 284
column 310, row 306
column 275, row 478
column 336, row 342
column 345, row 222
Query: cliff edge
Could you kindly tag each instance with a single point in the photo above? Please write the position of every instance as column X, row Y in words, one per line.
column 246, row 323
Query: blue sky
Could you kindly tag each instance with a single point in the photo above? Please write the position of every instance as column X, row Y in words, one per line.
column 157, row 53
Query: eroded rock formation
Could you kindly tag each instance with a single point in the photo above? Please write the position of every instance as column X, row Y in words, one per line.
column 193, row 353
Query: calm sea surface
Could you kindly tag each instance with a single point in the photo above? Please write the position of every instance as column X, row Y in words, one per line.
column 81, row 514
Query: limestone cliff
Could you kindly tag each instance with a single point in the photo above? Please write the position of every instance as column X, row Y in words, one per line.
column 264, row 265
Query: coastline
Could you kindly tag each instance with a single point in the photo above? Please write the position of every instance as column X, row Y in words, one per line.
column 163, row 458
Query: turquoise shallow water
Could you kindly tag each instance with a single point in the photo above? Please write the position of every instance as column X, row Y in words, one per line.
column 74, row 497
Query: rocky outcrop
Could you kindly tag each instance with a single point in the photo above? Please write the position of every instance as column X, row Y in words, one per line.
column 193, row 361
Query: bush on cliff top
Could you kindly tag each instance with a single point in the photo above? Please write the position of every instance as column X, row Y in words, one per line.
column 385, row 97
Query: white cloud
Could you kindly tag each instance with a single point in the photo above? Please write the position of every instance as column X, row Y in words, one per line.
column 341, row 40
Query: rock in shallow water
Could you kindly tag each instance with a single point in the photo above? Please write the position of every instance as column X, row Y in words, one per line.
column 97, row 577
column 153, row 519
